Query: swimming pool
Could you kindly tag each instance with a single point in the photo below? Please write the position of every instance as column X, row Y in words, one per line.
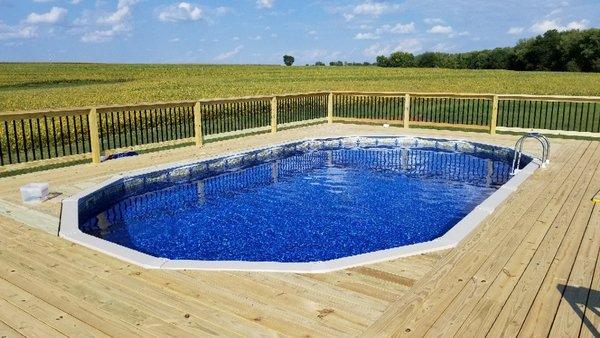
column 311, row 205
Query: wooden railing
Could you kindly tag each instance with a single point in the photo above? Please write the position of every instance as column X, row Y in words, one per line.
column 89, row 132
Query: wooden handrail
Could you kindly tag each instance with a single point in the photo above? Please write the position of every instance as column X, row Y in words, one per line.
column 487, row 118
column 12, row 115
column 560, row 98
column 564, row 98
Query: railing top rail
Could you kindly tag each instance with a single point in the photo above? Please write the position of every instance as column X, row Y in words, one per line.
column 348, row 92
column 11, row 115
column 419, row 94
column 260, row 97
column 549, row 97
column 480, row 95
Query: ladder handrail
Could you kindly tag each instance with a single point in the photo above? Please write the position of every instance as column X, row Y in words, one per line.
column 544, row 142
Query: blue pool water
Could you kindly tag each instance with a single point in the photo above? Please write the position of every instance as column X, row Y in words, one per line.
column 306, row 206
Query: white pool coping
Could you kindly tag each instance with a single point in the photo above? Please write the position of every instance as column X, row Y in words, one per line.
column 69, row 226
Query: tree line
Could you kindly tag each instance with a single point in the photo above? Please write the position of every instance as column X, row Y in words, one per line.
column 574, row 50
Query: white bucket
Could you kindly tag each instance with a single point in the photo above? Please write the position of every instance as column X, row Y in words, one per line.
column 34, row 192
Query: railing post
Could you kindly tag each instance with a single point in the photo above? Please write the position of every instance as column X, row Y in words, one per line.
column 274, row 114
column 94, row 135
column 406, row 116
column 330, row 108
column 494, row 117
column 198, row 125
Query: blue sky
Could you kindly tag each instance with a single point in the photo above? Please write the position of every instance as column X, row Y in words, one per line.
column 261, row 31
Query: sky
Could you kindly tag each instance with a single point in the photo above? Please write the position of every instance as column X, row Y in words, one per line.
column 262, row 31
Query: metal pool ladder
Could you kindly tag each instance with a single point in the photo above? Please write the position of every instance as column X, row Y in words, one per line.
column 519, row 150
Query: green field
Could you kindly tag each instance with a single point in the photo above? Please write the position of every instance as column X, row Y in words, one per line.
column 39, row 86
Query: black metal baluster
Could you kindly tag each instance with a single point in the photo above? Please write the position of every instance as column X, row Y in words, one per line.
column 1, row 153
column 478, row 115
column 578, row 116
column 135, row 127
column 160, row 116
column 47, row 136
column 54, row 137
column 564, row 114
column 210, row 118
column 594, row 119
column 171, row 123
column 122, row 129
column 129, row 129
column 31, row 139
column 8, row 147
column 83, row 134
column 68, row 135
column 62, row 136
column 24, row 139
column 39, row 133
column 112, row 128
column 146, row 126
column 76, row 134
column 106, row 133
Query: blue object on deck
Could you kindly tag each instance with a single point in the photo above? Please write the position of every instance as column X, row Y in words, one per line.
column 121, row 155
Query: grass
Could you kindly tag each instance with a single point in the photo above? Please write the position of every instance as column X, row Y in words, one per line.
column 25, row 86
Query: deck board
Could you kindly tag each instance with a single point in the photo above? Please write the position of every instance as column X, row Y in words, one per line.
column 458, row 269
column 591, row 313
column 531, row 268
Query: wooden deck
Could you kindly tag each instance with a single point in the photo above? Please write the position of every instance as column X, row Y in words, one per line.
column 530, row 269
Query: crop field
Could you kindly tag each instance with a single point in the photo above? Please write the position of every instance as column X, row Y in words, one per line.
column 40, row 85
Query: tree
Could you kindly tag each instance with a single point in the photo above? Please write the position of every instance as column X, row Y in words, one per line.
column 401, row 59
column 319, row 63
column 288, row 60
column 382, row 61
column 573, row 50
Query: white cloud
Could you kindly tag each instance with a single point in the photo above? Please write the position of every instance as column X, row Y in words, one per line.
column 366, row 36
column 313, row 55
column 222, row 10
column 184, row 11
column 555, row 12
column 376, row 50
column 102, row 35
column 11, row 32
column 408, row 45
column 108, row 26
column 264, row 3
column 433, row 21
column 75, row 2
column 439, row 29
column 116, row 17
column 545, row 25
column 442, row 47
column 369, row 8
column 515, row 30
column 55, row 15
column 399, row 28
column 230, row 54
